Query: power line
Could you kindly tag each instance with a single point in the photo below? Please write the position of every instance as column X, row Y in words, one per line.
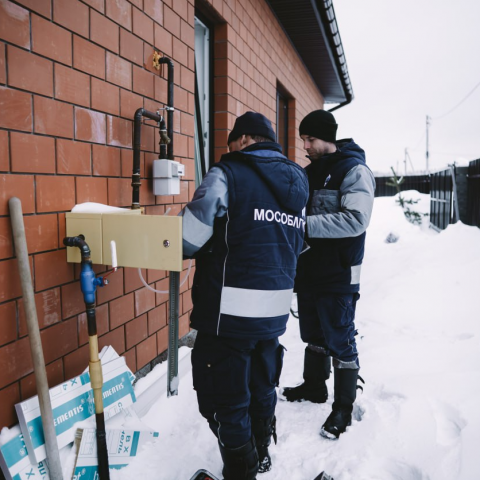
column 458, row 104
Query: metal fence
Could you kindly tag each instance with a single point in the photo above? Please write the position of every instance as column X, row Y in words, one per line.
column 411, row 182
column 473, row 196
column 441, row 199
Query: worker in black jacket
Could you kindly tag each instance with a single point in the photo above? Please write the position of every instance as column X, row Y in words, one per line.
column 339, row 208
column 245, row 227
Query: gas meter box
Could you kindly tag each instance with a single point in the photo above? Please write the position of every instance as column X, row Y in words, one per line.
column 166, row 177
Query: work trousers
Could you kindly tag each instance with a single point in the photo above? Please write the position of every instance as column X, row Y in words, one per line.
column 327, row 322
column 235, row 380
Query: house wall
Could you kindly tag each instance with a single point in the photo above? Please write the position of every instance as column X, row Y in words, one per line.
column 72, row 74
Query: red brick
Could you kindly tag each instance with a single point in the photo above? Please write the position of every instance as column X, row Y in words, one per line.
column 4, row 151
column 73, row 158
column 113, row 290
column 146, row 351
column 97, row 4
column 28, row 385
column 163, row 286
column 119, row 132
column 157, row 318
column 51, row 40
column 43, row 7
column 8, row 322
column 106, row 161
column 72, row 14
column 59, row 340
column 119, row 192
column 131, row 359
column 55, row 193
column 180, row 52
column 91, row 189
column 183, row 325
column 131, row 47
column 8, row 398
column 14, row 24
column 136, row 331
column 172, row 21
column 187, row 79
column 104, row 32
column 52, row 269
column 142, row 25
column 187, row 34
column 120, row 11
column 72, row 86
column 121, row 310
column 48, row 308
column 163, row 40
column 115, row 338
column 41, row 232
column 52, row 117
column 90, row 126
column 132, row 280
column 105, row 97
column 187, row 300
column 16, row 361
column 162, row 340
column 3, row 73
column 154, row 9
column 129, row 103
column 32, row 153
column 20, row 186
column 127, row 162
column 88, row 57
column 76, row 362
column 101, row 317
column 144, row 300
column 72, row 300
column 119, row 71
column 181, row 99
column 15, row 110
column 6, row 238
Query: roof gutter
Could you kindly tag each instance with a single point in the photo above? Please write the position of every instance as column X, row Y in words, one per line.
column 328, row 25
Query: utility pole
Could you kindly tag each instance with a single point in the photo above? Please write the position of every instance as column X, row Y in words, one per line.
column 427, row 153
column 405, row 160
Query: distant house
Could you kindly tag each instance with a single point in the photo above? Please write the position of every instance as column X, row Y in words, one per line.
column 72, row 75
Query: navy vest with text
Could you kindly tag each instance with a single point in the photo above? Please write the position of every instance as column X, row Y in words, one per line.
column 244, row 280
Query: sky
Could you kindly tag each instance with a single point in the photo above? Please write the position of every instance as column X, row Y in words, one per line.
column 409, row 59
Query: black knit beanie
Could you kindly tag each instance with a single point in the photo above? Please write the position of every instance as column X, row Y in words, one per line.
column 319, row 124
column 252, row 123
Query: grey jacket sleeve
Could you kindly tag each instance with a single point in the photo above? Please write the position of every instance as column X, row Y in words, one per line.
column 210, row 200
column 352, row 217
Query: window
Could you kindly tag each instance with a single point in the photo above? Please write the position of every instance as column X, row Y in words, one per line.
column 202, row 99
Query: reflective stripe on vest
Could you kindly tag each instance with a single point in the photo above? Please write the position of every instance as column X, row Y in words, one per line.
column 244, row 302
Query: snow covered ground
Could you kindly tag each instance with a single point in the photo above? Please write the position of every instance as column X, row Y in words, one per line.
column 419, row 341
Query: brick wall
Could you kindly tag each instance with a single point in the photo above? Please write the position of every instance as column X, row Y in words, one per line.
column 72, row 74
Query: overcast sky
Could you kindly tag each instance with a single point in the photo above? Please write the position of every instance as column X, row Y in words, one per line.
column 408, row 59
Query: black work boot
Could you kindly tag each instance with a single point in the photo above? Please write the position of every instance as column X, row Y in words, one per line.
column 345, row 388
column 263, row 430
column 316, row 370
column 240, row 463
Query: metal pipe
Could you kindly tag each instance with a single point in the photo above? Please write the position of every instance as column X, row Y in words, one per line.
column 170, row 108
column 137, row 128
column 21, row 250
column 89, row 283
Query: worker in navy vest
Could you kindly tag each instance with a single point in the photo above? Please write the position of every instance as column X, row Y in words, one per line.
column 245, row 228
column 342, row 190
